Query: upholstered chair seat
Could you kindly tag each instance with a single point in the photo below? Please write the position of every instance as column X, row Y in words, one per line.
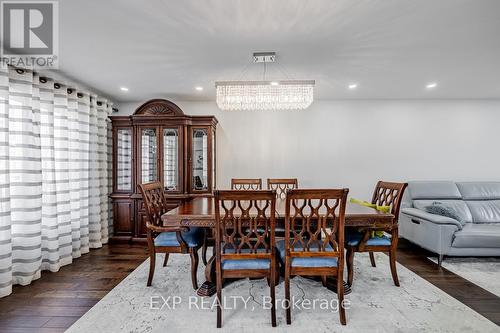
column 354, row 238
column 239, row 264
column 307, row 261
column 245, row 263
column 193, row 238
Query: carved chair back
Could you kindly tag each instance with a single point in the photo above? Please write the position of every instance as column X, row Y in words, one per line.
column 246, row 184
column 385, row 194
column 389, row 194
column 245, row 224
column 155, row 202
column 314, row 223
column 282, row 185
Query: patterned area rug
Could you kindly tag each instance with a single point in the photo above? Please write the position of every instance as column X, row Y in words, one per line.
column 375, row 305
column 484, row 272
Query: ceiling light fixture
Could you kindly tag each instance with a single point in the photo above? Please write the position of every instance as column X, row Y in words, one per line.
column 123, row 88
column 265, row 95
column 199, row 88
column 431, row 85
column 353, row 86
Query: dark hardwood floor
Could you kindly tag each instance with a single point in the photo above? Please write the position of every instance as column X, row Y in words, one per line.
column 56, row 300
column 482, row 301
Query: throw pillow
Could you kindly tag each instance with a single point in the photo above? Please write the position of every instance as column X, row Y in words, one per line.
column 443, row 209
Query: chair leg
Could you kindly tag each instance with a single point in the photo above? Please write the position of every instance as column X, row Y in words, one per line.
column 219, row 296
column 166, row 260
column 287, row 296
column 323, row 280
column 350, row 266
column 152, row 258
column 273, row 297
column 194, row 267
column 372, row 259
column 340, row 295
column 392, row 259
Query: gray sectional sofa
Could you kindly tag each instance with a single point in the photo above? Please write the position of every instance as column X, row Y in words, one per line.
column 474, row 232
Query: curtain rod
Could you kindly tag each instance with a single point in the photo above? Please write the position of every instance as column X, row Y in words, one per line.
column 44, row 79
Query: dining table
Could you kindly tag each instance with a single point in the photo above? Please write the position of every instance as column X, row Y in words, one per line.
column 200, row 212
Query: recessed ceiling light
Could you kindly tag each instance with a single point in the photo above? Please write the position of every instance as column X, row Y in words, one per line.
column 198, row 88
column 274, row 83
column 353, row 86
column 431, row 85
column 123, row 88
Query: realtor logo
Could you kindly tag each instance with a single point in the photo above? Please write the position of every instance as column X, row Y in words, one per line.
column 29, row 33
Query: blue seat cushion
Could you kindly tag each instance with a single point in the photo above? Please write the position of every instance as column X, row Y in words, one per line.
column 193, row 238
column 306, row 261
column 353, row 239
column 229, row 250
column 246, row 264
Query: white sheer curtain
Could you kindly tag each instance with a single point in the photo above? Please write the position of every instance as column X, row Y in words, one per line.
column 54, row 175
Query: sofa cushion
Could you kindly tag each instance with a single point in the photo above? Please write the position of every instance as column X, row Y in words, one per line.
column 459, row 206
column 479, row 190
column 485, row 211
column 433, row 190
column 478, row 235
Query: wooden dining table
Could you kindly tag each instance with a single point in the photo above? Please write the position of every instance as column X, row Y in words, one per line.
column 200, row 212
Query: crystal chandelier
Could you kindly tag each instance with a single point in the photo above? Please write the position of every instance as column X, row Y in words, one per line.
column 265, row 95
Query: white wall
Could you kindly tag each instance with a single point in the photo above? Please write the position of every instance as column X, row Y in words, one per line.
column 355, row 143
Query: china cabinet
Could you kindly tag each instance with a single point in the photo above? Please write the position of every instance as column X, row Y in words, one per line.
column 159, row 142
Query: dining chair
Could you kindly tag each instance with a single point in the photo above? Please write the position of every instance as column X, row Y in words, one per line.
column 246, row 184
column 364, row 240
column 314, row 239
column 245, row 245
column 241, row 184
column 168, row 239
column 281, row 185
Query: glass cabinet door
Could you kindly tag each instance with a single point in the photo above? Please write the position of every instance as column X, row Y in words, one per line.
column 124, row 159
column 199, row 160
column 149, row 155
column 171, row 159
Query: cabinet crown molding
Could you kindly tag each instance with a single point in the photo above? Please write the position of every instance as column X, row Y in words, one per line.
column 159, row 107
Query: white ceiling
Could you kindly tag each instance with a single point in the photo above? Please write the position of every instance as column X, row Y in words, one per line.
column 390, row 48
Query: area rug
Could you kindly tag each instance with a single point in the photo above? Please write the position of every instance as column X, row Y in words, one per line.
column 484, row 272
column 375, row 305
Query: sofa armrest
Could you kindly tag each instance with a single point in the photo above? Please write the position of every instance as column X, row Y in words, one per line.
column 437, row 219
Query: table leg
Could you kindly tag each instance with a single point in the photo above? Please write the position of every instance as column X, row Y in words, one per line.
column 331, row 283
column 208, row 287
